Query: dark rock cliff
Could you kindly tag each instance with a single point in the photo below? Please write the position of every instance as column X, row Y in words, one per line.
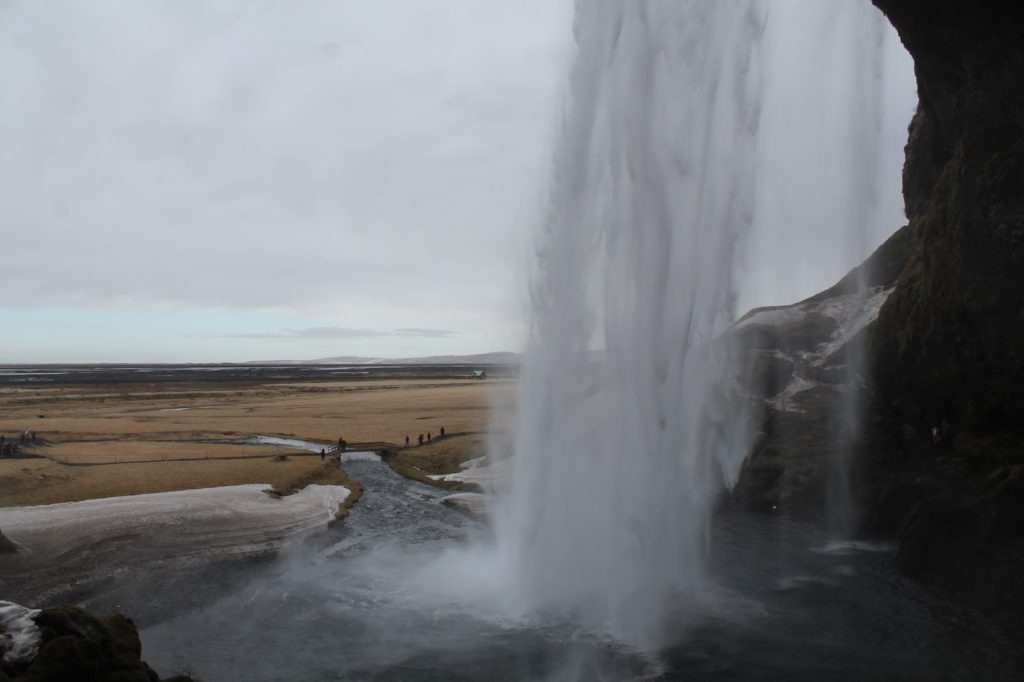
column 949, row 344
column 946, row 356
column 946, row 352
column 798, row 362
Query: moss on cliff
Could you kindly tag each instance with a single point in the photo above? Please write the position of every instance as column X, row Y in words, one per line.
column 949, row 344
column 948, row 347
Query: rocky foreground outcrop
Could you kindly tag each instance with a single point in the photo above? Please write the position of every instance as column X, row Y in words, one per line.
column 65, row 644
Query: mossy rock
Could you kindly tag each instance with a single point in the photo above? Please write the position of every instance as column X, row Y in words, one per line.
column 77, row 645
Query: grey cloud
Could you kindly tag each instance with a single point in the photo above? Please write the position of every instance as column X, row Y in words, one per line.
column 215, row 163
column 427, row 333
column 341, row 333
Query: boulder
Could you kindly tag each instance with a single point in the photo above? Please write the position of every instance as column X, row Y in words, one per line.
column 74, row 644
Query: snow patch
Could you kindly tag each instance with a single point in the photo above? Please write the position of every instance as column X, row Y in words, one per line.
column 474, row 503
column 852, row 313
column 288, row 443
column 845, row 547
column 784, row 400
column 221, row 519
column 19, row 634
column 773, row 317
column 479, row 471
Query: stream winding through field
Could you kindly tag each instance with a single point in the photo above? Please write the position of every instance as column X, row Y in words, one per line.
column 392, row 593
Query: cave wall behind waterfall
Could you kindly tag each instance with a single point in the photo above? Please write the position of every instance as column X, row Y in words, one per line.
column 949, row 344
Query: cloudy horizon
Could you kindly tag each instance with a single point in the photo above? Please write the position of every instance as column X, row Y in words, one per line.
column 239, row 181
column 195, row 181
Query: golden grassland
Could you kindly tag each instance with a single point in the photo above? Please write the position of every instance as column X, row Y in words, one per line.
column 120, row 439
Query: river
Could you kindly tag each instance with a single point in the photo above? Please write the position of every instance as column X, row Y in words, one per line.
column 380, row 596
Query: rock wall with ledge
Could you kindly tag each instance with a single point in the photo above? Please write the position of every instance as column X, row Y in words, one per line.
column 949, row 344
column 947, row 351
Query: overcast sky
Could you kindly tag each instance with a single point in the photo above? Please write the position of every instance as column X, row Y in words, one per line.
column 211, row 180
column 236, row 180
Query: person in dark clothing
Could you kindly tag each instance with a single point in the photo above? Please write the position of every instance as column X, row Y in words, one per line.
column 421, row 439
column 407, row 441
column 428, row 436
column 442, row 432
column 323, row 456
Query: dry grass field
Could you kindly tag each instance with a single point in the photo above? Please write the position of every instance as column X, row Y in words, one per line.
column 119, row 439
column 439, row 457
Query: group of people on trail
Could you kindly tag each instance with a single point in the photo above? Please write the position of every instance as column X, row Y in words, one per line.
column 343, row 444
column 9, row 448
column 429, row 438
column 342, row 447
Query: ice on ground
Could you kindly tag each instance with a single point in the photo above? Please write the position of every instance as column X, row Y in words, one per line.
column 852, row 313
column 193, row 521
column 19, row 634
column 772, row 317
column 296, row 443
column 474, row 503
column 480, row 471
column 798, row 581
column 844, row 547
column 784, row 400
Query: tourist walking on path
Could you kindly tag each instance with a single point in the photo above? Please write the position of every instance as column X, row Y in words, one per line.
column 323, row 456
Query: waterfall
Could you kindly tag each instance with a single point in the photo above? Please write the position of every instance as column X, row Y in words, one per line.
column 626, row 432
column 620, row 450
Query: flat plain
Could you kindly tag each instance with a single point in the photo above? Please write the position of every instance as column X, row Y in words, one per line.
column 109, row 438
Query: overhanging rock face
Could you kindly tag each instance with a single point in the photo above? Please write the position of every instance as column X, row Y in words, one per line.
column 949, row 343
column 796, row 365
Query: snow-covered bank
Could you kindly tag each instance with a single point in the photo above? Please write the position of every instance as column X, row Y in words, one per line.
column 189, row 518
column 62, row 544
column 481, row 471
column 476, row 504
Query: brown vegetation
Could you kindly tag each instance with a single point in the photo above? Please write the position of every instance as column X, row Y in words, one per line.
column 90, row 431
column 442, row 456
